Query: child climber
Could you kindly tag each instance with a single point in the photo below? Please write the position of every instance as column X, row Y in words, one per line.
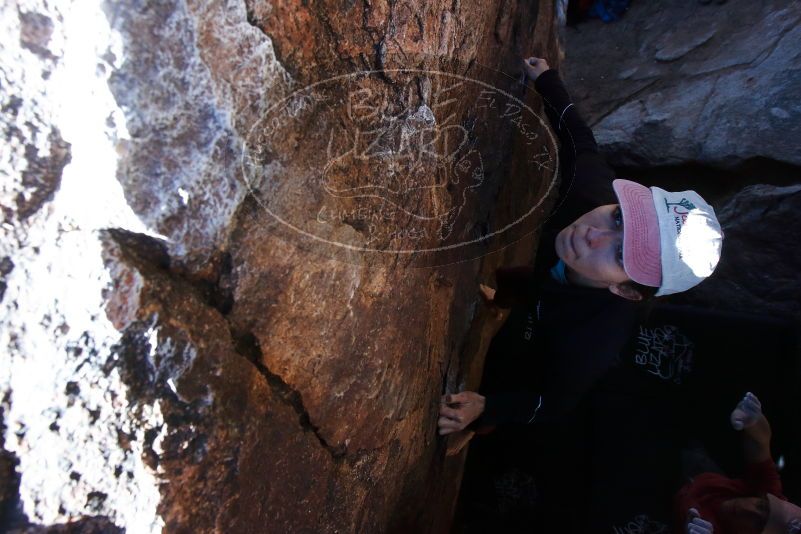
column 610, row 245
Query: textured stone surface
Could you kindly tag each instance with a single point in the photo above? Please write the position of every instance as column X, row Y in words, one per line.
column 224, row 421
column 718, row 87
column 63, row 412
column 180, row 359
column 758, row 270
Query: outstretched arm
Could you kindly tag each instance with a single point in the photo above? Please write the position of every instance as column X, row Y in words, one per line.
column 468, row 409
column 586, row 176
column 460, row 410
column 574, row 134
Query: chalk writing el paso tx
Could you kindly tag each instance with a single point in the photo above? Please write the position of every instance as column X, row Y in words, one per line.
column 542, row 159
column 510, row 111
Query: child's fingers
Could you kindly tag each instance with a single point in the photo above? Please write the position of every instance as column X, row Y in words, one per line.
column 753, row 398
column 450, row 413
column 752, row 407
column 487, row 293
column 702, row 523
column 457, row 398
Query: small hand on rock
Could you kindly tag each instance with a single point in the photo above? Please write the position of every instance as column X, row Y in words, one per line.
column 497, row 313
column 458, row 410
column 534, row 66
column 487, row 294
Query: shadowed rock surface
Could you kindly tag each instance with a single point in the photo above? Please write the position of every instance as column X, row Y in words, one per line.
column 673, row 82
column 758, row 270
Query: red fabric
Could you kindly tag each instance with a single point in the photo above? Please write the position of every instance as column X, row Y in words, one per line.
column 709, row 490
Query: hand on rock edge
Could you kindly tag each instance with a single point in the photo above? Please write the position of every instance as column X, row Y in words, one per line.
column 534, row 66
column 488, row 296
column 458, row 410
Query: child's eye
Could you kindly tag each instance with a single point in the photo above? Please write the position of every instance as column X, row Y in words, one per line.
column 618, row 217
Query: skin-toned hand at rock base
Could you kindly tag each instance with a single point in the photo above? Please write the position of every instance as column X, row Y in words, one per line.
column 497, row 315
column 458, row 410
column 488, row 296
column 697, row 525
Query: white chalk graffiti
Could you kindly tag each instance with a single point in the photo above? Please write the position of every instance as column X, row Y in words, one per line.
column 641, row 524
column 664, row 352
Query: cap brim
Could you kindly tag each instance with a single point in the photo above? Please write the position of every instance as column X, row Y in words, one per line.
column 641, row 247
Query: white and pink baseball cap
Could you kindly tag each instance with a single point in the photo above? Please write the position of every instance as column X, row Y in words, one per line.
column 670, row 240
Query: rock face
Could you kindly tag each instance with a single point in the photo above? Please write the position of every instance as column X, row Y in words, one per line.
column 758, row 270
column 682, row 81
column 228, row 342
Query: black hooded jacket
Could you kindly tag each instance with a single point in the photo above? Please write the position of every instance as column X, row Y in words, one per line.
column 559, row 340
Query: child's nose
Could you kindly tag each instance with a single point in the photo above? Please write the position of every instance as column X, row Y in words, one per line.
column 597, row 238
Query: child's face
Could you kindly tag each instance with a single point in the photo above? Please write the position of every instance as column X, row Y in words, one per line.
column 592, row 247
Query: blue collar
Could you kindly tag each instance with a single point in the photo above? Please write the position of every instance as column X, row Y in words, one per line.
column 558, row 273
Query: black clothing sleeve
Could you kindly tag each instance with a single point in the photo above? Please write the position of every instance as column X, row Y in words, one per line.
column 574, row 135
column 586, row 184
column 517, row 407
column 577, row 334
column 586, row 177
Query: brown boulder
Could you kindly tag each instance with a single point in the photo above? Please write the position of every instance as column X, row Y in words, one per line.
column 309, row 401
column 275, row 362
